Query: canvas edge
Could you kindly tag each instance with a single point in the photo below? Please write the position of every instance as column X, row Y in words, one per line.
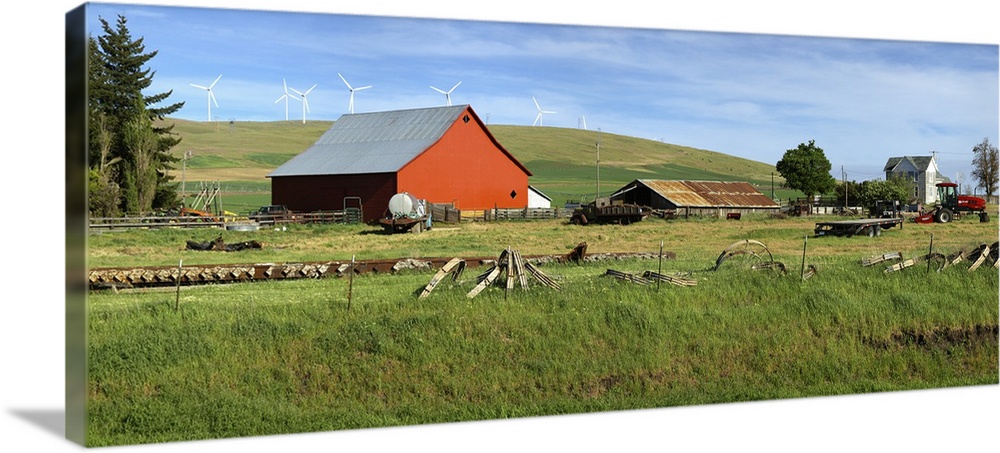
column 76, row 225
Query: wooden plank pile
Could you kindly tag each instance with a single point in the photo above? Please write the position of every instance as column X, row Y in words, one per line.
column 511, row 268
column 649, row 277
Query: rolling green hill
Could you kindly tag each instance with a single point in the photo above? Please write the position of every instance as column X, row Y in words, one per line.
column 562, row 160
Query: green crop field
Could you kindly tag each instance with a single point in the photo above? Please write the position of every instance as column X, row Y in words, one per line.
column 563, row 161
column 275, row 357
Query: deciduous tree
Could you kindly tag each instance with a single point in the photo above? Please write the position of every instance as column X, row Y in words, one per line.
column 894, row 188
column 806, row 168
column 984, row 166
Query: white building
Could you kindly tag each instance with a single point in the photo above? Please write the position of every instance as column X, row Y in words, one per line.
column 922, row 171
column 537, row 199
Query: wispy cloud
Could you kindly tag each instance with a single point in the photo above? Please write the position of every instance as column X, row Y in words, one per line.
column 753, row 95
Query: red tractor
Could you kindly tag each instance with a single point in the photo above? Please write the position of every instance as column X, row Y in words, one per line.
column 951, row 205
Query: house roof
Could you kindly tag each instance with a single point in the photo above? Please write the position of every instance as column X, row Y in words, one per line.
column 707, row 193
column 539, row 192
column 378, row 142
column 921, row 163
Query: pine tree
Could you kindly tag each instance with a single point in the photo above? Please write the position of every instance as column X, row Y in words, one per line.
column 117, row 77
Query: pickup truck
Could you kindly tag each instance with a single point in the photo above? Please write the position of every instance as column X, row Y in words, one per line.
column 274, row 213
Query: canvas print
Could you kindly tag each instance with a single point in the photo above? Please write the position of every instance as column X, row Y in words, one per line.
column 311, row 222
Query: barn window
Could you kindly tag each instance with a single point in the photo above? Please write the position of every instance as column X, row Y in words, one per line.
column 513, row 193
column 465, row 118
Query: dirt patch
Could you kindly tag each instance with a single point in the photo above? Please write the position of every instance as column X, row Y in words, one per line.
column 940, row 339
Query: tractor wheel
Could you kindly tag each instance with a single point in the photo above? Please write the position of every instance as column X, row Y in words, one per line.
column 869, row 231
column 943, row 215
column 984, row 217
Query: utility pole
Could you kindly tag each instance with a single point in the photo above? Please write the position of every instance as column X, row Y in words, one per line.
column 187, row 155
column 598, row 193
column 843, row 175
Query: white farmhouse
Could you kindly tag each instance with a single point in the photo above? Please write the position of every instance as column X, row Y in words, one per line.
column 922, row 171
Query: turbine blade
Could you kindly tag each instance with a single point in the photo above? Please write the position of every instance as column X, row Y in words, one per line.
column 305, row 103
column 536, row 104
column 284, row 96
column 198, row 86
column 212, row 95
column 345, row 82
column 438, row 90
column 296, row 91
column 456, row 86
column 216, row 81
column 310, row 89
column 363, row 88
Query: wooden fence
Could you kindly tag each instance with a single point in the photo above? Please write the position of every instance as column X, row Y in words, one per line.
column 221, row 221
column 448, row 214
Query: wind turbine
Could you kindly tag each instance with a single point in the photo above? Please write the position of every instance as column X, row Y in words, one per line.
column 285, row 98
column 350, row 105
column 305, row 102
column 211, row 96
column 538, row 119
column 447, row 94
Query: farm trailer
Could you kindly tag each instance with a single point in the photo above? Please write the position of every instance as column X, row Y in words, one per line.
column 867, row 227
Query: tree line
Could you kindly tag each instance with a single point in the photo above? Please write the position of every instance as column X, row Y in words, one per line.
column 806, row 168
column 128, row 151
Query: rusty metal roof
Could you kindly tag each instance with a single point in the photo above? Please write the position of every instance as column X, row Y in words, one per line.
column 709, row 193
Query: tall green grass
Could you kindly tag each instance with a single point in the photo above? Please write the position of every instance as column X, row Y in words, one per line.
column 281, row 357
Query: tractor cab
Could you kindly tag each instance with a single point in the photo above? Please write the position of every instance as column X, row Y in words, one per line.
column 947, row 193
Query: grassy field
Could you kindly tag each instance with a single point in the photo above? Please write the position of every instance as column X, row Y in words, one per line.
column 562, row 160
column 289, row 356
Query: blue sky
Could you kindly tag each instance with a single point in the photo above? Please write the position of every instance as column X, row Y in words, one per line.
column 750, row 95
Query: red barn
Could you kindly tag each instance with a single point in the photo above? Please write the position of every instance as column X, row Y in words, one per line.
column 441, row 154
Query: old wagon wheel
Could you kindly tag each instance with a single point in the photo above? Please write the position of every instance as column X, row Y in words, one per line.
column 748, row 250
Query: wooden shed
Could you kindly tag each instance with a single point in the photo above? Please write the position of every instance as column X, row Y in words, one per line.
column 440, row 154
column 698, row 198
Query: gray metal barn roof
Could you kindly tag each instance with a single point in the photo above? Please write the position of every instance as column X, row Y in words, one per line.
column 379, row 142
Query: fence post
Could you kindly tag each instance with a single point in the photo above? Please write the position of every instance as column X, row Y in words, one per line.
column 802, row 273
column 177, row 299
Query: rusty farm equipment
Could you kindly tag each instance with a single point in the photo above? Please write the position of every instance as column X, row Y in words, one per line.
column 613, row 212
column 753, row 252
column 984, row 254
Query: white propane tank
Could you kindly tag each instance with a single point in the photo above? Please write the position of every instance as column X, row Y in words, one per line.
column 405, row 205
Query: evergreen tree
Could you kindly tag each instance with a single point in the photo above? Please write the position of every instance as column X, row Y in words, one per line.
column 117, row 77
